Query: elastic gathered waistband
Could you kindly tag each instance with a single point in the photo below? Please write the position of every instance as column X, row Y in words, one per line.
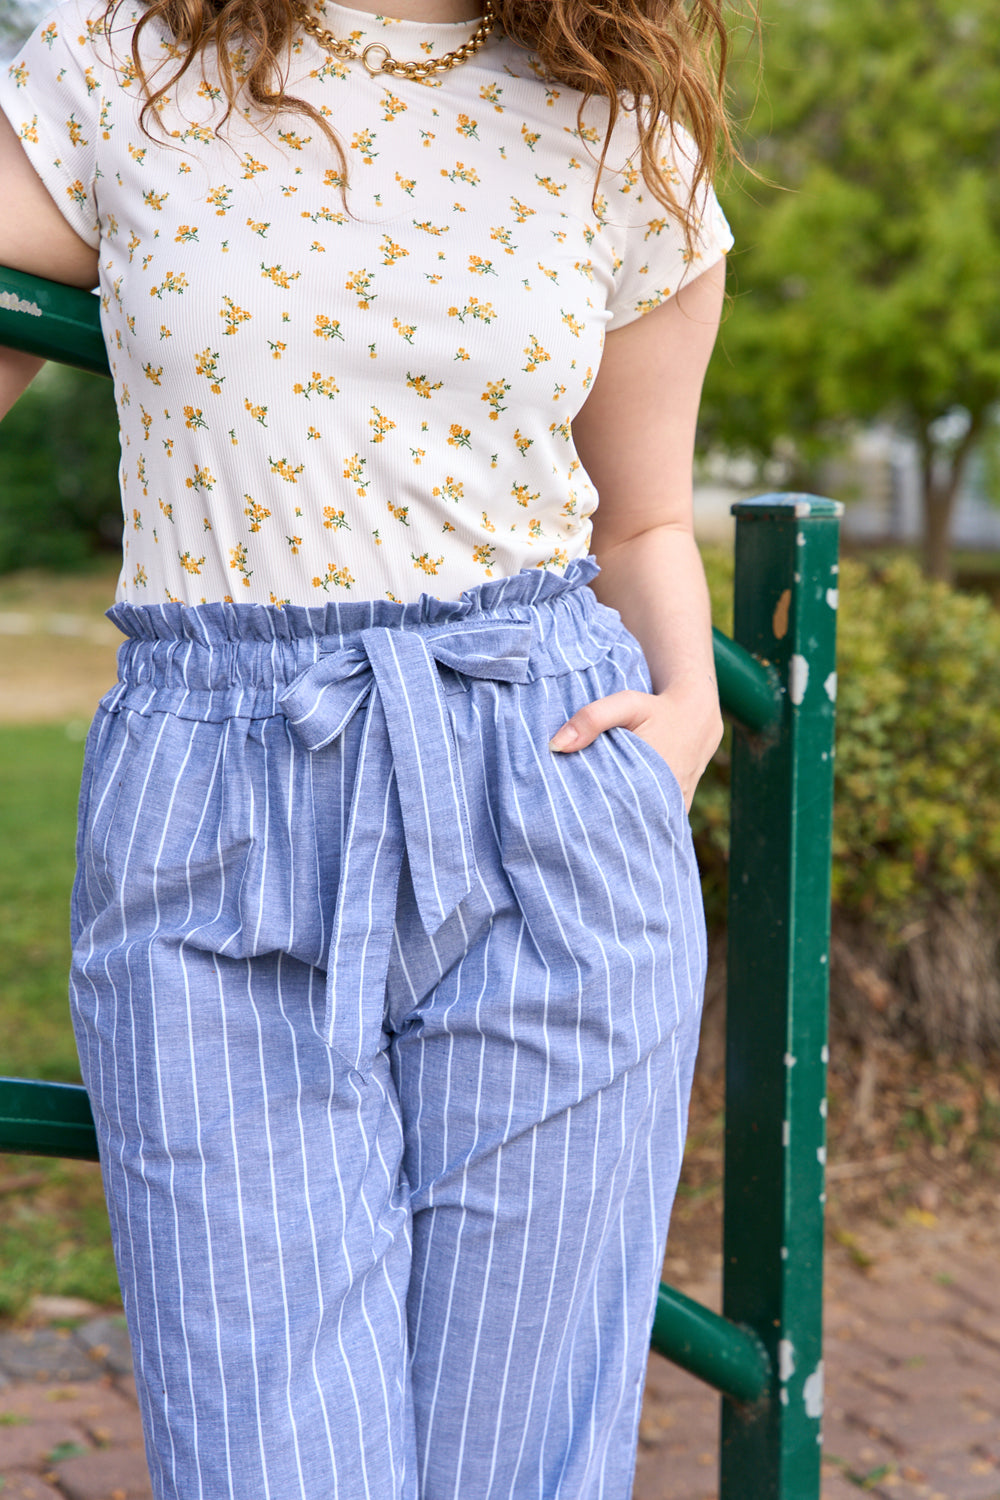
column 217, row 661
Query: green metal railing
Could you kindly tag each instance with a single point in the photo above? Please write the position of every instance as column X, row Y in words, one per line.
column 777, row 681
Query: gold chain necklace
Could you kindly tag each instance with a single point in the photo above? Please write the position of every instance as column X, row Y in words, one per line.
column 377, row 59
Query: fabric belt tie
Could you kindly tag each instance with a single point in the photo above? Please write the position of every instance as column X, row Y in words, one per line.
column 407, row 795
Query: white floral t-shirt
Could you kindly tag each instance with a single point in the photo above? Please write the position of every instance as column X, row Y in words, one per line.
column 325, row 405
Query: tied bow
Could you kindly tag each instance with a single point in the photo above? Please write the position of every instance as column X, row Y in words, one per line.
column 407, row 795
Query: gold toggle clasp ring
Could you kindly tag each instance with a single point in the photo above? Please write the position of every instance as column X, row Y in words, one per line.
column 375, row 47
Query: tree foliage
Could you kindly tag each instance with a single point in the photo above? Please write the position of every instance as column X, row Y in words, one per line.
column 868, row 251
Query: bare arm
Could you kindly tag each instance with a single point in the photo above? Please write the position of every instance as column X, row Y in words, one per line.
column 635, row 437
column 34, row 237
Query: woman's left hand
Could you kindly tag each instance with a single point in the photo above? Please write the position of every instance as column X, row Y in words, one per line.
column 683, row 729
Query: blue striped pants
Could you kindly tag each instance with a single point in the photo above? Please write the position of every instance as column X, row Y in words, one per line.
column 388, row 1016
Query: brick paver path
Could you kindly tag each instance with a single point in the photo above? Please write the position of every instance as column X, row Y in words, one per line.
column 913, row 1391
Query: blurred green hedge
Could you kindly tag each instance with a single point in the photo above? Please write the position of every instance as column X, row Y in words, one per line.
column 917, row 811
column 59, row 502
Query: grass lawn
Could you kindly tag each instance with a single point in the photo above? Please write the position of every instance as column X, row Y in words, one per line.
column 53, row 1224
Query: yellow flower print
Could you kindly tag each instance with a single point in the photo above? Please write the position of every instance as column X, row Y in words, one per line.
column 140, row 578
column 467, row 127
column 172, row 282
column 452, row 489
column 294, row 542
column 326, row 328
column 405, row 330
column 278, row 603
column 585, row 268
column 391, row 252
column 140, row 470
column 646, row 304
column 313, row 434
column 407, row 184
column 559, row 559
column 334, row 178
column 546, row 271
column 155, row 200
column 354, row 470
column 398, row 512
column 293, row 141
column 485, row 556
column 461, row 173
column 535, row 530
column 573, row 324
column 251, row 168
column 360, row 283
column 523, row 495
column 190, row 564
column 430, row 228
column 78, row 193
column 418, row 455
column 207, row 363
column 448, row 527
column 339, row 577
column 480, row 312
column 146, row 420
column 193, row 417
column 536, row 355
column 461, row 353
column 279, row 276
column 364, row 141
column 207, row 91
column 19, row 74
column 503, row 237
column 493, row 396
column 422, row 385
column 530, row 137
column 334, row 520
column 427, row 564
column 588, row 379
column 152, row 374
column 277, row 348
column 486, row 523
column 480, row 267
column 219, row 199
column 561, row 429
column 257, row 513
column 75, row 130
column 381, row 425
column 259, row 413
column 391, row 106
column 321, row 385
column 259, row 227
column 233, row 316
column 324, row 215
column 29, row 132
column 168, row 512
column 459, row 436
column 490, row 94
column 521, row 442
column 560, row 390
column 238, row 559
column 202, row 479
column 427, row 136
column 138, row 153
column 283, row 467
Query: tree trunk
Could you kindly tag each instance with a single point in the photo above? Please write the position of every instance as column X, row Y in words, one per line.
column 942, row 474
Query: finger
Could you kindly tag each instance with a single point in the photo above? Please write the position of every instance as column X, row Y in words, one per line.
column 625, row 708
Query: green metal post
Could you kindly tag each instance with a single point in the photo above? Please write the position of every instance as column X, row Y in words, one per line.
column 776, row 1033
column 55, row 321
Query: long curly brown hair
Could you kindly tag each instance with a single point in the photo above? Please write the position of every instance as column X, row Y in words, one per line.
column 654, row 57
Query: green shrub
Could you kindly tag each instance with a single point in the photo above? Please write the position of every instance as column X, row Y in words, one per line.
column 59, row 501
column 917, row 811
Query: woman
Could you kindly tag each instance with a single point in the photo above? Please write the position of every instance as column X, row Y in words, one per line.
column 388, row 948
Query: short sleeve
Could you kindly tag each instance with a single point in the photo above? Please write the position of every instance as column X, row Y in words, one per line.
column 52, row 95
column 655, row 261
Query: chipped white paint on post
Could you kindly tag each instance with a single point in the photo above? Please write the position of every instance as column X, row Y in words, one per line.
column 822, row 1108
column 786, row 1133
column 821, row 1155
column 11, row 302
column 789, row 1060
column 824, row 1055
column 831, row 687
column 783, row 1395
column 798, row 678
column 812, row 1393
column 784, row 1252
column 803, row 510
column 833, row 598
column 786, row 1360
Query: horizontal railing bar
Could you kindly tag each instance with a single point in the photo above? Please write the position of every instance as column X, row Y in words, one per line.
column 46, row 1119
column 51, row 320
column 730, row 1358
column 749, row 692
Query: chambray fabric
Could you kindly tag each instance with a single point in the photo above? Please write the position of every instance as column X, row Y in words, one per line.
column 388, row 1016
